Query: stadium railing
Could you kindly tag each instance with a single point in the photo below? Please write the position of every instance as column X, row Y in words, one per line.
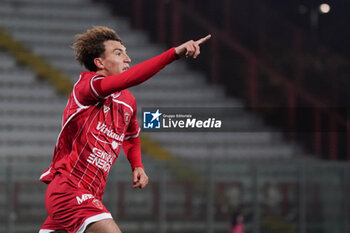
column 262, row 58
column 303, row 196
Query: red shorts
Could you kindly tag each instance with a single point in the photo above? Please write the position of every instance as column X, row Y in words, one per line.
column 71, row 209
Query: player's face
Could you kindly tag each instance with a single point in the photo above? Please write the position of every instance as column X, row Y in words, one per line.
column 115, row 59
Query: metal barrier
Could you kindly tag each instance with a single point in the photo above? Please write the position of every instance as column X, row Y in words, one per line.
column 281, row 196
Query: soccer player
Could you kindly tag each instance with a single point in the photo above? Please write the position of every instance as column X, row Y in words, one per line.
column 99, row 120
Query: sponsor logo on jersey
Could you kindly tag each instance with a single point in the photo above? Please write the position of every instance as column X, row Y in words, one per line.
column 101, row 159
column 83, row 198
column 151, row 120
column 109, row 132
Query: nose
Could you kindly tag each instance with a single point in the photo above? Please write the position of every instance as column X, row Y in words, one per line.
column 127, row 59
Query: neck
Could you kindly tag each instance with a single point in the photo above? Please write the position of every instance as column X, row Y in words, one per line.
column 101, row 72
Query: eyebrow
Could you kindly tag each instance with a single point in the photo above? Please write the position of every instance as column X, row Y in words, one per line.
column 119, row 49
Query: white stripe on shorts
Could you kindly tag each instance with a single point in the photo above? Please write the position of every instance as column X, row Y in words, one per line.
column 92, row 219
column 45, row 231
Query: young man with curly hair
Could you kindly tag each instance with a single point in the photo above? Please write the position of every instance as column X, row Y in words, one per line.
column 99, row 120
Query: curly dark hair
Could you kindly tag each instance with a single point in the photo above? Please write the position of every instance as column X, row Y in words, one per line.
column 90, row 45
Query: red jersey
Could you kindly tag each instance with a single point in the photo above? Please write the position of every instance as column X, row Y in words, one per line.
column 99, row 119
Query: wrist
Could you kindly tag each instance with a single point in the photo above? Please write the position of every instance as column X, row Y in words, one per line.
column 138, row 167
column 176, row 52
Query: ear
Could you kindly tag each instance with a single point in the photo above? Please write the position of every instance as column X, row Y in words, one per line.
column 99, row 63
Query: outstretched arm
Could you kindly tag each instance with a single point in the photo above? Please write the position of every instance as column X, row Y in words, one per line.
column 145, row 70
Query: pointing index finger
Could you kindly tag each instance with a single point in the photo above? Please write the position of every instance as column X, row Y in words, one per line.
column 204, row 39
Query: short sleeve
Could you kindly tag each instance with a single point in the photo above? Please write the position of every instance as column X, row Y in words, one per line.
column 83, row 90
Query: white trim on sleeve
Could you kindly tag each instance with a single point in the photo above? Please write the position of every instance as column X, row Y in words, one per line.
column 45, row 173
column 97, row 77
column 77, row 102
column 75, row 98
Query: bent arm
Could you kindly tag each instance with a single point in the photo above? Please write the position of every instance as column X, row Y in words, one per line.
column 132, row 150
